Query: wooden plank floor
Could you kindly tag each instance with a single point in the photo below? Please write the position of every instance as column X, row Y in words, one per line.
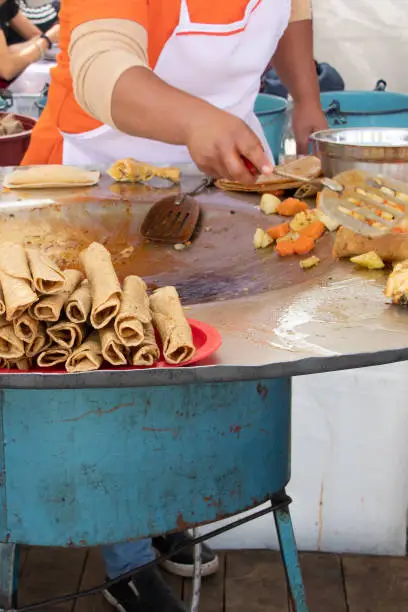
column 248, row 581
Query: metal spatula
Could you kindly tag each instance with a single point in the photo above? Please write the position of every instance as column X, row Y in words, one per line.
column 172, row 220
column 371, row 210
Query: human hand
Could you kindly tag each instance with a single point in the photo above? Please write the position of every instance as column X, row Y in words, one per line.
column 219, row 143
column 54, row 33
column 307, row 119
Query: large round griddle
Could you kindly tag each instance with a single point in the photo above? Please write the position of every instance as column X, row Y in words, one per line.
column 275, row 319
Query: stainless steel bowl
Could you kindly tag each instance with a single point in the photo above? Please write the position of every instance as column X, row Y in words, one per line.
column 375, row 150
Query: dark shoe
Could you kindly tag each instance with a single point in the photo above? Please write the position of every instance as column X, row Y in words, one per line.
column 182, row 563
column 145, row 592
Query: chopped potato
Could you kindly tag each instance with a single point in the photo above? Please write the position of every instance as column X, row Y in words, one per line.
column 330, row 223
column 369, row 260
column 269, row 204
column 310, row 262
column 302, row 220
column 261, row 239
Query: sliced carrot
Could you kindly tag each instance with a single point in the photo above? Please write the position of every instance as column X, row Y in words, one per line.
column 291, row 206
column 399, row 230
column 285, row 247
column 314, row 230
column 278, row 231
column 303, row 245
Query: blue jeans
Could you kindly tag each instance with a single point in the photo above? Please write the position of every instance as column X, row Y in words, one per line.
column 122, row 558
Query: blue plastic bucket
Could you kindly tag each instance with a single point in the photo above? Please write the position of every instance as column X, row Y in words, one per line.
column 378, row 108
column 271, row 112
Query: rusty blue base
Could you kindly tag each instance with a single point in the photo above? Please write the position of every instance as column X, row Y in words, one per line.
column 86, row 467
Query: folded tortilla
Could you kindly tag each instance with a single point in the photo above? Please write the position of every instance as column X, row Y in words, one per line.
column 147, row 353
column 2, row 304
column 86, row 357
column 40, row 343
column 53, row 176
column 13, row 261
column 15, row 280
column 390, row 247
column 172, row 325
column 79, row 304
column 20, row 364
column 134, row 312
column 105, row 287
column 53, row 356
column 131, row 171
column 67, row 334
column 26, row 327
column 49, row 308
column 11, row 347
column 47, row 277
column 113, row 350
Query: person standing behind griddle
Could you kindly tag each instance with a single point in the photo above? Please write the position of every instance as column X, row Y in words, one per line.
column 171, row 82
column 17, row 57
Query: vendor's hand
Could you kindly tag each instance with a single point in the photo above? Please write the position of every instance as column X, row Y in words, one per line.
column 54, row 33
column 218, row 142
column 307, row 118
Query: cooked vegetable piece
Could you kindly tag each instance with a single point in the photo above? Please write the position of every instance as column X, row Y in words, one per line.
column 326, row 220
column 278, row 231
column 291, row 206
column 369, row 260
column 262, row 239
column 314, row 230
column 285, row 247
column 269, row 204
column 310, row 262
column 303, row 245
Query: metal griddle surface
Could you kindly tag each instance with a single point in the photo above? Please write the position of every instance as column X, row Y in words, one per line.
column 275, row 319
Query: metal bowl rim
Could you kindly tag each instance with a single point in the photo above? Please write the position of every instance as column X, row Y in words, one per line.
column 319, row 137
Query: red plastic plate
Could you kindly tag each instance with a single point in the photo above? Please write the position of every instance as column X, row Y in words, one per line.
column 206, row 338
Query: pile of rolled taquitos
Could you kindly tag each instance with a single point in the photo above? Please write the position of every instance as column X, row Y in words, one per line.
column 76, row 320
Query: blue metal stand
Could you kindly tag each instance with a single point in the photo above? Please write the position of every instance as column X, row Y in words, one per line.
column 86, row 467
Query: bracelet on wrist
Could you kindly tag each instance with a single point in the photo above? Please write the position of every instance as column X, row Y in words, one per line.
column 47, row 40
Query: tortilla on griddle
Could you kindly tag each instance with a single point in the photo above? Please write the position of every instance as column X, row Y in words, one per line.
column 49, row 307
column 134, row 312
column 87, row 357
column 147, row 353
column 113, row 350
column 48, row 279
column 51, row 176
column 15, row 280
column 79, row 304
column 172, row 325
column 67, row 334
column 105, row 287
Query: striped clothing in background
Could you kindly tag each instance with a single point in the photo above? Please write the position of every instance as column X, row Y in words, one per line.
column 41, row 15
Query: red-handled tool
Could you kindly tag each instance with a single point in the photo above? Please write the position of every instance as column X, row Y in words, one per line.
column 253, row 170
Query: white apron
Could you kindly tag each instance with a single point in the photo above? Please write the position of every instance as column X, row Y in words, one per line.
column 221, row 64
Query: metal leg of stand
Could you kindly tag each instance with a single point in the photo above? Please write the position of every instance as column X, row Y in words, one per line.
column 9, row 568
column 289, row 553
column 195, row 598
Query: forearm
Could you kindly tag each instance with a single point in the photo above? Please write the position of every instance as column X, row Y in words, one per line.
column 24, row 27
column 294, row 62
column 144, row 105
column 20, row 56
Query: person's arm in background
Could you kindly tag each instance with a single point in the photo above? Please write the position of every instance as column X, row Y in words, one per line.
column 296, row 68
column 113, row 83
column 15, row 58
column 24, row 27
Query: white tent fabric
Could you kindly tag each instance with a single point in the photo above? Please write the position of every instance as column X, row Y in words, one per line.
column 366, row 40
